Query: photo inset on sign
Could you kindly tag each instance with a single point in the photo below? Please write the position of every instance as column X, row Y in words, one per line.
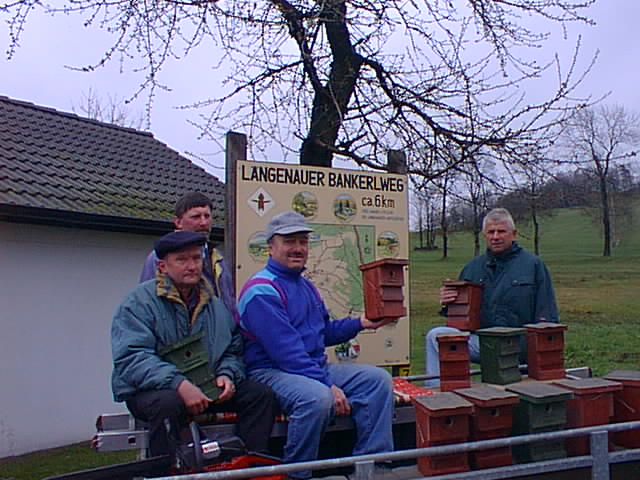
column 257, row 246
column 344, row 207
column 306, row 204
column 388, row 245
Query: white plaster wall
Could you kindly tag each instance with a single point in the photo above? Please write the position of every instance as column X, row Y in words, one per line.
column 58, row 290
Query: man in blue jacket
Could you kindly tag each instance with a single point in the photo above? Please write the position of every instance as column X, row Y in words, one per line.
column 517, row 289
column 287, row 328
column 176, row 304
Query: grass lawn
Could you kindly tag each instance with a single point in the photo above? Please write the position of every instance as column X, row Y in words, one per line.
column 598, row 299
column 38, row 465
column 597, row 296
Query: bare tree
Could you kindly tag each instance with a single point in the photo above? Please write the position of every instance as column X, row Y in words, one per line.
column 599, row 138
column 445, row 182
column 531, row 178
column 109, row 109
column 346, row 77
column 477, row 192
column 426, row 215
column 531, row 172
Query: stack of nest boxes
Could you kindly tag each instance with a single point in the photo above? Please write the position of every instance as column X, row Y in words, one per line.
column 546, row 401
column 382, row 282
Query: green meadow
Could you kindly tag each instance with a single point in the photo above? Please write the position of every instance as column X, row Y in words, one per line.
column 598, row 298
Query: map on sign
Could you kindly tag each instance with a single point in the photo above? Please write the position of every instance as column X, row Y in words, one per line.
column 335, row 253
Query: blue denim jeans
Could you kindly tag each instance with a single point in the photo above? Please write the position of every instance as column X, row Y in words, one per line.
column 431, row 353
column 309, row 407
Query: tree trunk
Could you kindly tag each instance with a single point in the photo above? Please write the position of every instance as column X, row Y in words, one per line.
column 536, row 230
column 431, row 238
column 443, row 224
column 476, row 242
column 606, row 217
column 330, row 101
column 476, row 231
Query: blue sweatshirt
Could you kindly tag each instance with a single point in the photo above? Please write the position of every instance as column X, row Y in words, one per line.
column 286, row 324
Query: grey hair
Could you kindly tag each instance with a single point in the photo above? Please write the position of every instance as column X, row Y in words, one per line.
column 498, row 215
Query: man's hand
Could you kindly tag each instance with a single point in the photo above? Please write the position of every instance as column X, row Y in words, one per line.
column 228, row 388
column 448, row 295
column 194, row 400
column 340, row 401
column 366, row 323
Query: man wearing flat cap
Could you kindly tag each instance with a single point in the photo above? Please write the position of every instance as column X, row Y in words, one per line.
column 287, row 328
column 193, row 214
column 158, row 313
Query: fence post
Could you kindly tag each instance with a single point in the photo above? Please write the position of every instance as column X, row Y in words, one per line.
column 600, row 455
column 364, row 470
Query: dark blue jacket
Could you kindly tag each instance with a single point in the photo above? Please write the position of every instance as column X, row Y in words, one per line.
column 517, row 288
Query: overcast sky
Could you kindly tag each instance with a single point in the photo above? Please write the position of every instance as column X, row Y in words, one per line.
column 37, row 73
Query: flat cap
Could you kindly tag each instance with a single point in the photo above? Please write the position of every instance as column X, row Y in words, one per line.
column 287, row 223
column 177, row 241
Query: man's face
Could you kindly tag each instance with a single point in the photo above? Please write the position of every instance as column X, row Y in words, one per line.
column 499, row 236
column 183, row 267
column 196, row 219
column 291, row 251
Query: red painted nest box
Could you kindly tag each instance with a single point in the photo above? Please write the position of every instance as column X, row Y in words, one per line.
column 626, row 405
column 464, row 312
column 592, row 404
column 442, row 419
column 454, row 360
column 492, row 418
column 545, row 350
column 383, row 281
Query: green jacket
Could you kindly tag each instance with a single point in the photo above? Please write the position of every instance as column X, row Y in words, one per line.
column 153, row 316
column 517, row 288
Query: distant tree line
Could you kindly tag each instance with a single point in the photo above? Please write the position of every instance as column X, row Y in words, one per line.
column 573, row 188
column 589, row 163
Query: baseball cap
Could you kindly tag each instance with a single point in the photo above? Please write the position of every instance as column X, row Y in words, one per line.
column 287, row 223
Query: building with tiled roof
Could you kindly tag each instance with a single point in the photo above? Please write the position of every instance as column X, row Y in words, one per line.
column 81, row 203
column 61, row 169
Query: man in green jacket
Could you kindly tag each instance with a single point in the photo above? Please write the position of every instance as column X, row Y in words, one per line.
column 160, row 312
column 517, row 289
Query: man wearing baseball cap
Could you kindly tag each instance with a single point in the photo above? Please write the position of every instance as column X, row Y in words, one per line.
column 158, row 313
column 287, row 329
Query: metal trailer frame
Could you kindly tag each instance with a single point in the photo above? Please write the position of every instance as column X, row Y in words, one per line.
column 121, row 431
column 599, row 460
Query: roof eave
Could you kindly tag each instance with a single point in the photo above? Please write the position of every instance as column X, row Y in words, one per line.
column 65, row 218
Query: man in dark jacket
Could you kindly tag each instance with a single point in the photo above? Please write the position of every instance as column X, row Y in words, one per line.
column 177, row 304
column 517, row 288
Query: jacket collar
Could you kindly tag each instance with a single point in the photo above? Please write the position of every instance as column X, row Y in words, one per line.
column 166, row 289
column 278, row 268
column 504, row 256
